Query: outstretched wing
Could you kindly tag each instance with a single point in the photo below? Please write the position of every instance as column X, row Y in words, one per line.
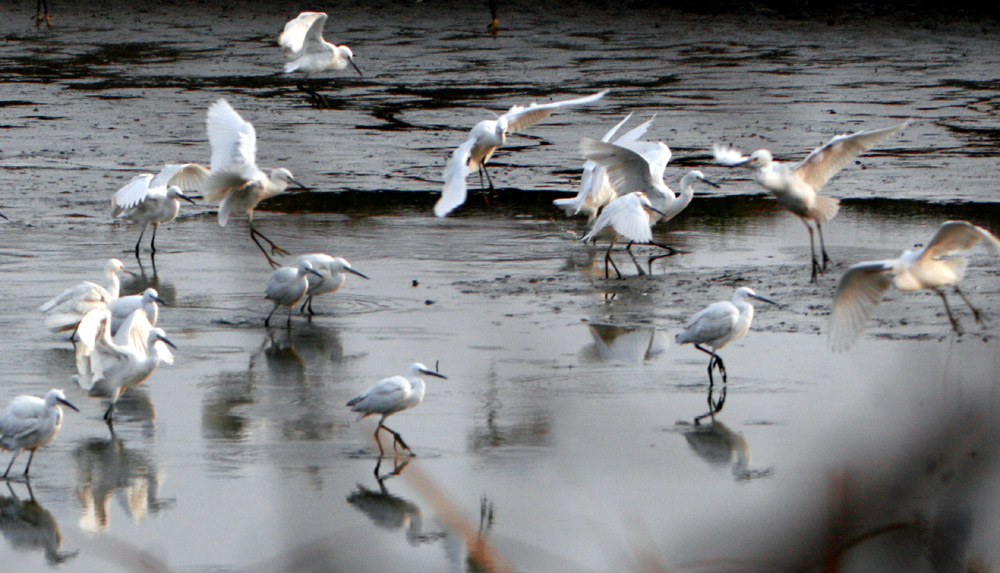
column 858, row 293
column 627, row 216
column 187, row 176
column 131, row 194
column 824, row 162
column 233, row 139
column 134, row 332
column 627, row 170
column 728, row 156
column 955, row 236
column 454, row 191
column 519, row 117
column 305, row 28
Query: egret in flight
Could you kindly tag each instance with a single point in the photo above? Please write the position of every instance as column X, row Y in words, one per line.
column 149, row 199
column 796, row 186
column 931, row 268
column 303, row 42
column 484, row 139
column 30, row 423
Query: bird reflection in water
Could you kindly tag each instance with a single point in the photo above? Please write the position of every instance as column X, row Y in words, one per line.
column 143, row 280
column 719, row 446
column 27, row 526
column 392, row 512
column 629, row 344
column 134, row 407
column 106, row 468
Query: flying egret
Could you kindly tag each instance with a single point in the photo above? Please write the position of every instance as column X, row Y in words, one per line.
column 484, row 139
column 719, row 324
column 156, row 199
column 596, row 190
column 65, row 311
column 930, row 268
column 796, row 186
column 303, row 41
column 122, row 307
column 119, row 363
column 30, row 423
column 234, row 181
column 391, row 395
column 331, row 272
column 287, row 286
column 629, row 216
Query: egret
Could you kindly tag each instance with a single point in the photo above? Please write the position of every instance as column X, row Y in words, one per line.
column 303, row 41
column 484, row 139
column 30, row 423
column 234, row 181
column 596, row 190
column 156, row 199
column 121, row 308
column 930, row 268
column 796, row 186
column 630, row 216
column 119, row 363
column 287, row 286
column 391, row 395
column 719, row 324
column 65, row 311
column 331, row 272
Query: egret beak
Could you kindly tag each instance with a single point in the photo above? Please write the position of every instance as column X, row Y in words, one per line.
column 315, row 272
column 433, row 373
column 359, row 273
column 356, row 67
column 67, row 404
column 762, row 299
column 301, row 186
column 165, row 339
column 712, row 183
column 160, row 300
column 188, row 199
column 128, row 272
column 655, row 210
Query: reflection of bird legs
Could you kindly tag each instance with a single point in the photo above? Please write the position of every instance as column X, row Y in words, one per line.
column 396, row 439
column 42, row 14
column 714, row 407
column 714, row 361
column 397, row 468
column 670, row 252
column 275, row 249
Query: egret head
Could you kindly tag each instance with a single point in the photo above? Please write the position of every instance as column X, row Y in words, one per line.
column 116, row 266
column 418, row 368
column 174, row 192
column 695, row 175
column 160, row 335
column 150, row 294
column 342, row 264
column 744, row 293
column 348, row 55
column 282, row 177
column 305, row 267
column 56, row 396
column 760, row 158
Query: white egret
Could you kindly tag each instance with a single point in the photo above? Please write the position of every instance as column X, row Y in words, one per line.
column 287, row 286
column 119, row 363
column 234, row 181
column 156, row 199
column 796, row 186
column 30, row 423
column 391, row 395
column 715, row 326
column 303, row 41
column 629, row 216
column 483, row 140
column 331, row 275
column 596, row 189
column 930, row 268
column 122, row 307
column 65, row 311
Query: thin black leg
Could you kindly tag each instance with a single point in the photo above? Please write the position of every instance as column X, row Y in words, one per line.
column 975, row 311
column 822, row 247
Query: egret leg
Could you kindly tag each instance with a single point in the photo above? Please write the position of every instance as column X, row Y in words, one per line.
column 397, row 439
column 628, row 249
column 822, row 247
column 268, row 319
column 152, row 242
column 139, row 242
column 310, row 299
column 307, row 303
column 42, row 14
column 609, row 261
column 951, row 317
column 30, row 457
column 275, row 249
column 975, row 311
column 378, row 442
column 288, row 323
column 318, row 100
column 17, row 452
column 670, row 252
column 716, row 360
column 482, row 168
column 812, row 251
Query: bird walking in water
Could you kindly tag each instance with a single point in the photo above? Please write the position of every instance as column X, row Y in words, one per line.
column 30, row 423
column 717, row 325
column 234, row 181
column 287, row 286
column 391, row 395
column 310, row 53
column 796, row 186
column 331, row 271
column 930, row 268
column 65, row 311
column 149, row 199
column 629, row 216
column 484, row 139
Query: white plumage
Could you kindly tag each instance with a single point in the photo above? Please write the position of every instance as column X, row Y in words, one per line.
column 30, row 423
column 287, row 286
column 64, row 311
column 332, row 274
column 303, row 41
column 149, row 199
column 122, row 307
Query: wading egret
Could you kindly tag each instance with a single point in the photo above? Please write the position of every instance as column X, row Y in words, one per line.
column 596, row 190
column 484, row 139
column 796, row 186
column 630, row 216
column 331, row 271
column 116, row 364
column 156, row 199
column 31, row 422
column 287, row 286
column 65, row 311
column 234, row 181
column 930, row 268
column 392, row 395
column 121, row 308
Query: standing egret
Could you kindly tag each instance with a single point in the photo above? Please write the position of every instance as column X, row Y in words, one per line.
column 303, row 42
column 596, row 189
column 156, row 199
column 484, row 139
column 796, row 186
column 629, row 216
column 119, row 363
column 930, row 268
column 287, row 286
column 331, row 275
column 716, row 325
column 234, row 181
column 122, row 307
column 391, row 395
column 65, row 311
column 30, row 423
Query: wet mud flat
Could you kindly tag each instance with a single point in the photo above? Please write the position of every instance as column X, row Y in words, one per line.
column 563, row 437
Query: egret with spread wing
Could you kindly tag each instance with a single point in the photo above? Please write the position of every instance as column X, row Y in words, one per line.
column 156, row 199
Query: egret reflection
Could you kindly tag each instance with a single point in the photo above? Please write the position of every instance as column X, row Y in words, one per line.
column 107, row 469
column 392, row 512
column 629, row 344
column 29, row 527
column 719, row 447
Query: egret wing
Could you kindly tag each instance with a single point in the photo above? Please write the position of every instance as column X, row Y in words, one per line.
column 134, row 332
column 633, row 134
column 454, row 192
column 627, row 170
column 21, row 419
column 187, row 176
column 824, row 162
column 519, row 117
column 712, row 322
column 627, row 216
column 955, row 236
column 728, row 156
column 611, row 132
column 233, row 139
column 858, row 293
column 133, row 193
column 163, row 353
column 299, row 31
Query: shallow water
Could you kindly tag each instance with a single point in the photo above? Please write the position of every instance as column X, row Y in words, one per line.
column 563, row 435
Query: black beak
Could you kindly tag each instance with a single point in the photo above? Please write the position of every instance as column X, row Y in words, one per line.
column 762, row 299
column 315, row 272
column 67, row 404
column 165, row 339
column 356, row 67
column 359, row 273
column 712, row 183
column 433, row 373
column 188, row 199
column 301, row 186
column 160, row 300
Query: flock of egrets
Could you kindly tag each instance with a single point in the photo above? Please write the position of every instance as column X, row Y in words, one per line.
column 623, row 192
